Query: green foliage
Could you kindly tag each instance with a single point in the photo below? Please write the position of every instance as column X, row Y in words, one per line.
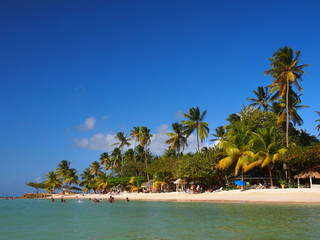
column 113, row 182
column 37, row 185
column 302, row 157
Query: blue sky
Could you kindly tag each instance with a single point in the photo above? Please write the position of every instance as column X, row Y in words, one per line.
column 74, row 73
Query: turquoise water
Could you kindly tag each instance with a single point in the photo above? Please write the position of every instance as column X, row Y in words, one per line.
column 41, row 219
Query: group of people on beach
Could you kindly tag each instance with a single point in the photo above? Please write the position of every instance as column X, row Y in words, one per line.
column 95, row 200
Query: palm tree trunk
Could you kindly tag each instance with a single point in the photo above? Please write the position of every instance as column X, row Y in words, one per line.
column 287, row 112
column 270, row 174
column 135, row 158
column 178, row 153
column 122, row 160
column 198, row 141
column 288, row 175
column 146, row 163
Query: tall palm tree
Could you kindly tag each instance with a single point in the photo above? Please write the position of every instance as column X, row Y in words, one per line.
column 135, row 137
column 237, row 146
column 195, row 123
column 177, row 138
column 123, row 141
column 95, row 168
column 145, row 140
column 53, row 181
column 267, row 147
column 286, row 72
column 318, row 127
column 262, row 98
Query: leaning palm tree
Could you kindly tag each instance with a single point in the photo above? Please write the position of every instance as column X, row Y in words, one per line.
column 267, row 147
column 286, row 72
column 318, row 127
column 145, row 140
column 262, row 98
column 95, row 168
column 195, row 123
column 177, row 138
column 123, row 141
column 53, row 181
column 237, row 146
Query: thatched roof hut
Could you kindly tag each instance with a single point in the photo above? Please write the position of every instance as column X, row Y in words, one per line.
column 310, row 173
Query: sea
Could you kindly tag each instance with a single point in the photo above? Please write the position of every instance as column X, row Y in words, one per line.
column 83, row 219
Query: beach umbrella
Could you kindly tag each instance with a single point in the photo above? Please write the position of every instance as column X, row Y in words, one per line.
column 240, row 183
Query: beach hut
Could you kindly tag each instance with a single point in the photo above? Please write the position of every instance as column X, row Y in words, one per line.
column 181, row 183
column 147, row 185
column 310, row 173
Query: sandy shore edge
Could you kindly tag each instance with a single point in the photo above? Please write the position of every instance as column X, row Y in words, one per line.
column 299, row 196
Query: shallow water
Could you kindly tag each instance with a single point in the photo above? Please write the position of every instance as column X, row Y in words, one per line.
column 83, row 219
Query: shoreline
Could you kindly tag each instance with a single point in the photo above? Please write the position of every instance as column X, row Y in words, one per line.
column 295, row 196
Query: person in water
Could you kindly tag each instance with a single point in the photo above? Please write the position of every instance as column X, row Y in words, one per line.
column 127, row 199
column 61, row 200
column 52, row 199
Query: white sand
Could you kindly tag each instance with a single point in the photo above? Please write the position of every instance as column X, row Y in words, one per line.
column 302, row 195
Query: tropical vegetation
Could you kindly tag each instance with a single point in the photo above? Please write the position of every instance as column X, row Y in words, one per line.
column 260, row 138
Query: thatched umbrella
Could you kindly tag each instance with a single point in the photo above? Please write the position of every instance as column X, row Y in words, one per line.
column 310, row 173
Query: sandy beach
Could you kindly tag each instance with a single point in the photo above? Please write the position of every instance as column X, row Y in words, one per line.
column 302, row 195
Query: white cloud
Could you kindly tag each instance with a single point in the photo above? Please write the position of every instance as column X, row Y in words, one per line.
column 179, row 114
column 101, row 142
column 97, row 142
column 88, row 124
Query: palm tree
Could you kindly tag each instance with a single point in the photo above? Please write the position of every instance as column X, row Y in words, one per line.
column 71, row 178
column 195, row 122
column 177, row 138
column 238, row 149
column 220, row 133
column 318, row 127
column 87, row 180
column 123, row 141
column 294, row 105
column 53, row 181
column 267, row 147
column 95, row 168
column 102, row 181
column 105, row 161
column 115, row 158
column 262, row 98
column 286, row 71
column 63, row 168
column 135, row 137
column 145, row 140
